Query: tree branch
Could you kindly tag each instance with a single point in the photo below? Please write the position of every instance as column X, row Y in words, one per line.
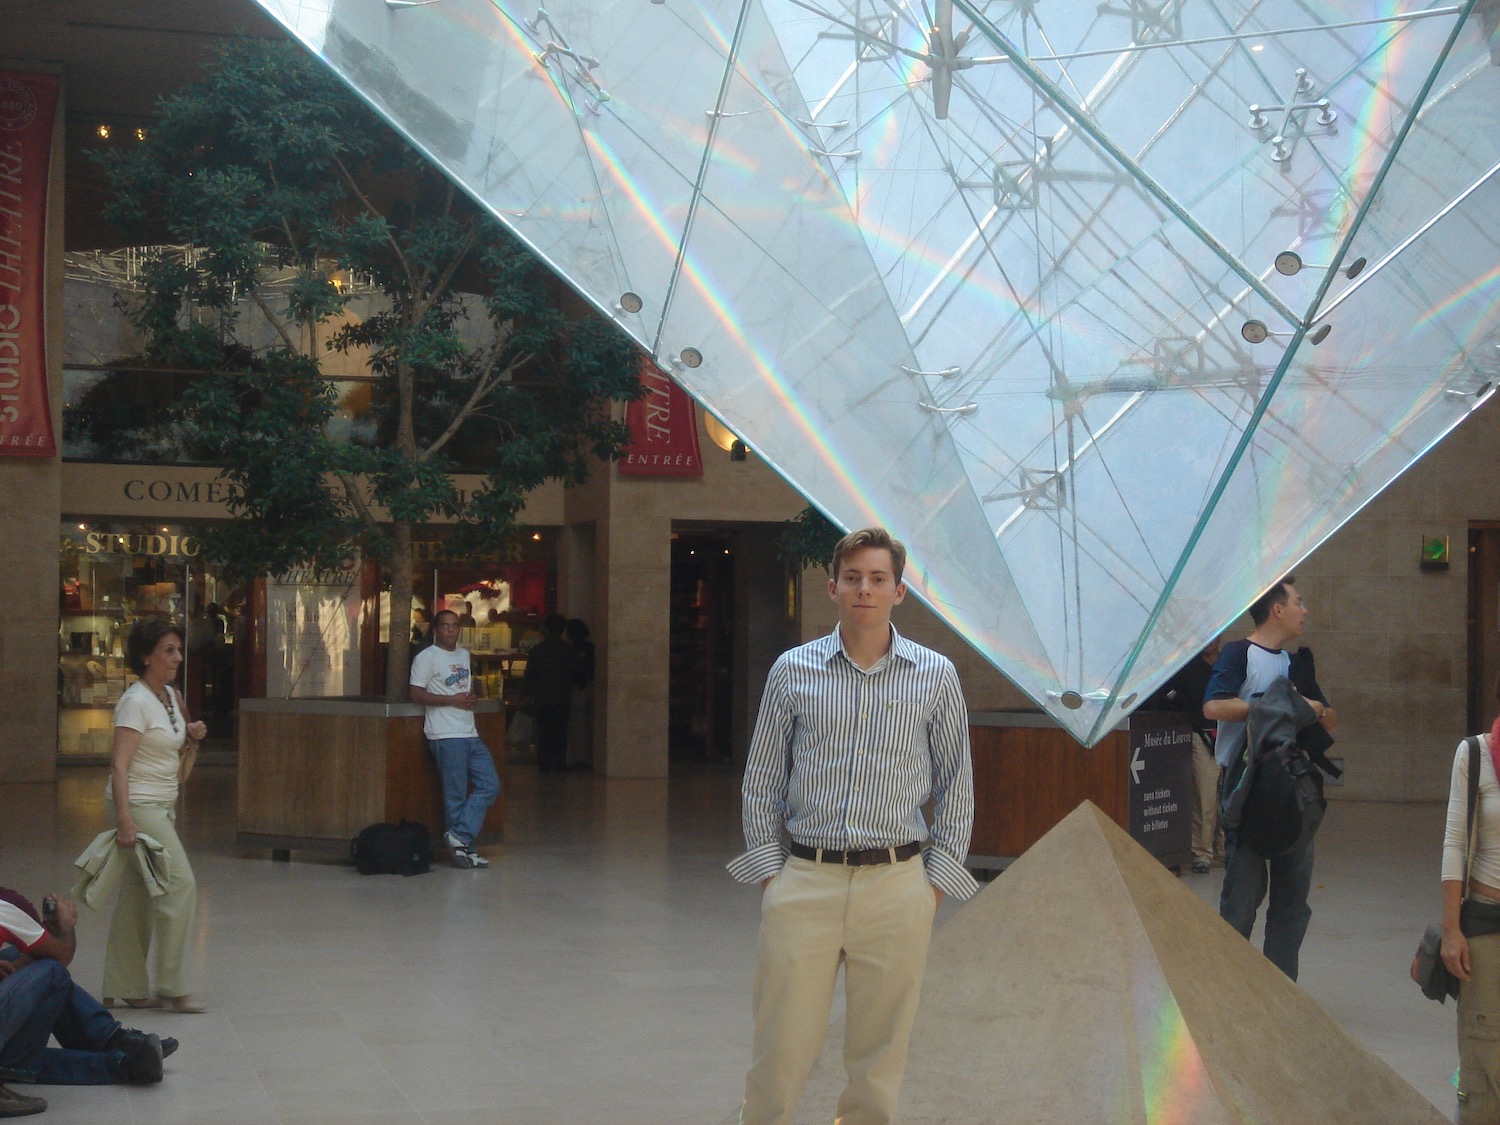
column 441, row 285
column 276, row 322
column 447, row 210
column 373, row 210
column 358, row 501
column 487, row 381
column 286, row 227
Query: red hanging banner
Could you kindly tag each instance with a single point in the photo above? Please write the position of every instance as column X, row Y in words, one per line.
column 663, row 429
column 28, row 105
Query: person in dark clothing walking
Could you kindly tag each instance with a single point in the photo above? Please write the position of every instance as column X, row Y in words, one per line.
column 551, row 671
column 581, row 718
column 1185, row 692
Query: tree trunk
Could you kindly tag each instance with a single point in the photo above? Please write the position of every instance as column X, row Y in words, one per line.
column 398, row 652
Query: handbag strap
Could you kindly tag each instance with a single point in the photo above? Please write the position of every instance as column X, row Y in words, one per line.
column 1473, row 744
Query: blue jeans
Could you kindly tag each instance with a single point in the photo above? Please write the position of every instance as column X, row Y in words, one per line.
column 1246, row 875
column 460, row 762
column 39, row 1001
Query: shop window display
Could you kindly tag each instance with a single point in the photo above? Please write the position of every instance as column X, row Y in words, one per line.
column 300, row 635
column 110, row 575
column 314, row 626
column 500, row 606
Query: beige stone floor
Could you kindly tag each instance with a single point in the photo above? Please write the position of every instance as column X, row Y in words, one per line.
column 599, row 972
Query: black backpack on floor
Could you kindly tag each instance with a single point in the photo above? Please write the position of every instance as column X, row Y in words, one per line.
column 392, row 849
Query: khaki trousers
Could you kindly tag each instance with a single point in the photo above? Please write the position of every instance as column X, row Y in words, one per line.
column 168, row 918
column 1208, row 839
column 1479, row 1036
column 877, row 922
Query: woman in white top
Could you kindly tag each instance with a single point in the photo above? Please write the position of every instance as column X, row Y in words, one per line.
column 153, row 753
column 1471, row 931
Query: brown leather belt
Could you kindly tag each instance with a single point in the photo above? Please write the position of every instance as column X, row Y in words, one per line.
column 865, row 858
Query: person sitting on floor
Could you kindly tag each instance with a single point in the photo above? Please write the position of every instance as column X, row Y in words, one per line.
column 38, row 1000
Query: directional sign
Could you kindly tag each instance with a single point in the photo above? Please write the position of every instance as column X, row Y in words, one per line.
column 1161, row 784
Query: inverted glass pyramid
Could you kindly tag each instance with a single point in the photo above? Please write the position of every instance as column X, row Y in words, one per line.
column 1112, row 311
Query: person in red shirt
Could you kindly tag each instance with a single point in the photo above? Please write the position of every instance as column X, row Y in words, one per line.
column 38, row 1000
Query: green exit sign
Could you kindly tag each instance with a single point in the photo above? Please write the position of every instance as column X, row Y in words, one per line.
column 1434, row 552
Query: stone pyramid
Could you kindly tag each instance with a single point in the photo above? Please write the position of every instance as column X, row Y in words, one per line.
column 1087, row 984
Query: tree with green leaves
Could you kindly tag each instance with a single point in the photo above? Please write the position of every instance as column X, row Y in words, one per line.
column 808, row 539
column 270, row 170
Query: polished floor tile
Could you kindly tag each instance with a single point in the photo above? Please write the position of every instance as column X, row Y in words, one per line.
column 598, row 972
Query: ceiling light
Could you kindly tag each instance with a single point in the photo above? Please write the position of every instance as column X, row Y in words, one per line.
column 718, row 433
column 1289, row 263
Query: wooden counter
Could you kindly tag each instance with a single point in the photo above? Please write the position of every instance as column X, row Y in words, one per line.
column 1029, row 773
column 314, row 772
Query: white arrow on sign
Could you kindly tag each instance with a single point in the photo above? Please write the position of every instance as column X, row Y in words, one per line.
column 1136, row 765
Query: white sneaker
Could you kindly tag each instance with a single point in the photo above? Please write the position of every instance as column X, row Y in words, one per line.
column 454, row 843
column 477, row 860
column 463, row 857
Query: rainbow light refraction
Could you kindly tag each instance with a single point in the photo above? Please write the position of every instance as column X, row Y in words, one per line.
column 1175, row 1086
column 1009, row 288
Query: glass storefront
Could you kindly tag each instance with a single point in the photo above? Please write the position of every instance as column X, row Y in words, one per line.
column 297, row 636
column 500, row 606
column 315, row 626
column 112, row 573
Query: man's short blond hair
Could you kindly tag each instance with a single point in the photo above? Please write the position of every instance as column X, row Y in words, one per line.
column 877, row 537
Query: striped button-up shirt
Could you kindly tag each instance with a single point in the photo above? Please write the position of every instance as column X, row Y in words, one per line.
column 845, row 758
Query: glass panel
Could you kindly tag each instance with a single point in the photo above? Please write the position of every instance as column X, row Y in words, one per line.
column 990, row 273
column 313, row 635
column 500, row 602
column 111, row 574
column 116, row 416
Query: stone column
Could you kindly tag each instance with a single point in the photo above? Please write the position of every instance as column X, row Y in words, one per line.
column 631, row 563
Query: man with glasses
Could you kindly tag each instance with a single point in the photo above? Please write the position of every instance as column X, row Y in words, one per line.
column 1244, row 670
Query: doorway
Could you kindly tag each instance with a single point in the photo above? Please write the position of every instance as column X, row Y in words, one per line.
column 700, row 690
column 1484, row 623
column 733, row 612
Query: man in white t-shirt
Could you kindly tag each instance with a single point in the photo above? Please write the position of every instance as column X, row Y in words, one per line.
column 440, row 682
column 1244, row 670
column 39, row 1000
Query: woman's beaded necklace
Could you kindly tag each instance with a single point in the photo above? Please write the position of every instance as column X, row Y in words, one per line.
column 165, row 695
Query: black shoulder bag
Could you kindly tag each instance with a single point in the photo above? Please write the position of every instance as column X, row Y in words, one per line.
column 1427, row 967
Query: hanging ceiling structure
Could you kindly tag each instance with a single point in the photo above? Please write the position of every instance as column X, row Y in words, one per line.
column 1113, row 312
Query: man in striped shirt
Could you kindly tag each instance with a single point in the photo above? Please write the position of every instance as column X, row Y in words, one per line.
column 856, row 732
